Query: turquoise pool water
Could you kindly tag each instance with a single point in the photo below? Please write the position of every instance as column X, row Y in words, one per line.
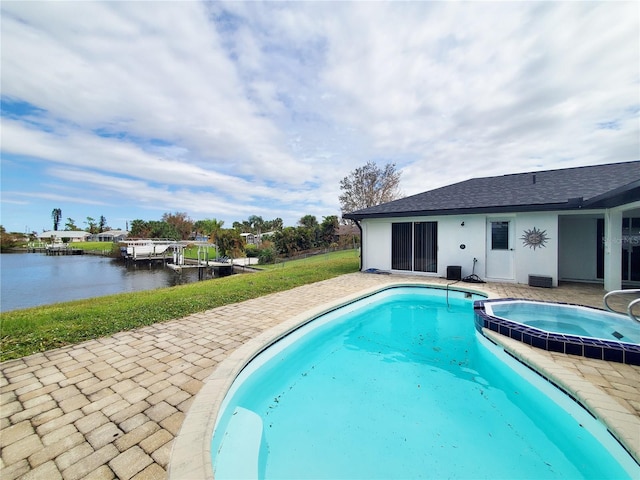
column 568, row 319
column 399, row 385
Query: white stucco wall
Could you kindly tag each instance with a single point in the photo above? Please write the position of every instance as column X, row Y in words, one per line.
column 541, row 260
column 569, row 252
column 473, row 235
column 376, row 244
column 452, row 234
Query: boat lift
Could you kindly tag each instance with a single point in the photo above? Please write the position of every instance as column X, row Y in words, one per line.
column 171, row 253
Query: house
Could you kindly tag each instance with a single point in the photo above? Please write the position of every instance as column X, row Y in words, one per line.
column 110, row 236
column 249, row 238
column 64, row 235
column 574, row 224
column 255, row 239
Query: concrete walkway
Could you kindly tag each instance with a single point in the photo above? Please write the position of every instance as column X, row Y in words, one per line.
column 112, row 407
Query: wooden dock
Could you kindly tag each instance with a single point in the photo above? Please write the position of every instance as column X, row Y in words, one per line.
column 63, row 250
column 222, row 268
column 171, row 254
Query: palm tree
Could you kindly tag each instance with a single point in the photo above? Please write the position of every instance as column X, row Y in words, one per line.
column 56, row 215
column 210, row 227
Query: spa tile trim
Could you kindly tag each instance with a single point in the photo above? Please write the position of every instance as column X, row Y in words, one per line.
column 595, row 348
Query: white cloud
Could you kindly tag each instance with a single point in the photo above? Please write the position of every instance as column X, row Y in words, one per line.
column 108, row 154
column 261, row 108
column 150, row 72
column 50, row 196
column 479, row 89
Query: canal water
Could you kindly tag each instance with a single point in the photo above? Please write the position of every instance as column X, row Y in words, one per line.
column 33, row 279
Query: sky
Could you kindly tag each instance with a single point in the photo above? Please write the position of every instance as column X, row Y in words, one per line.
column 226, row 110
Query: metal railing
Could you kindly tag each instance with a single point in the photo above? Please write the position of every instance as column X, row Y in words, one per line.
column 630, row 305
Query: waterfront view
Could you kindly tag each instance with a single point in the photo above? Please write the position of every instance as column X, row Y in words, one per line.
column 33, row 279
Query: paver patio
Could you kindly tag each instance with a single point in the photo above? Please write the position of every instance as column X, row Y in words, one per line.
column 112, row 407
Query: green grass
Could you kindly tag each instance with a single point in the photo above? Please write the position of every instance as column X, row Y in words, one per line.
column 91, row 245
column 192, row 252
column 23, row 332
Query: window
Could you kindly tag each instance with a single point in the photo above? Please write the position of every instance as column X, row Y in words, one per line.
column 499, row 235
column 414, row 246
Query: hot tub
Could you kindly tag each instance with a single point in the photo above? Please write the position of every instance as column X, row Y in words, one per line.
column 564, row 328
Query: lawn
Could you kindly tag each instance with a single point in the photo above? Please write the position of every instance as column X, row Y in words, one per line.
column 23, row 332
column 92, row 246
column 192, row 252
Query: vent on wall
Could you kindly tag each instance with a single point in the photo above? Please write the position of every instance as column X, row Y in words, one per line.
column 540, row 281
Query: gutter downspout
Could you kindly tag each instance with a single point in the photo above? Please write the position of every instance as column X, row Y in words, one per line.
column 361, row 242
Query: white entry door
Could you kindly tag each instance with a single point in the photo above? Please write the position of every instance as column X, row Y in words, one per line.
column 500, row 249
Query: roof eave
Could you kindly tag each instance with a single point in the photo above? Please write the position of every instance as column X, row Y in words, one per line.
column 620, row 196
column 572, row 204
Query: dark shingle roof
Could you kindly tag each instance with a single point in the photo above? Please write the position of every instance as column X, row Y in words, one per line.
column 599, row 186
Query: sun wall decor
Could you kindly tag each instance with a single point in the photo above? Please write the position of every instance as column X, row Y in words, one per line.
column 534, row 238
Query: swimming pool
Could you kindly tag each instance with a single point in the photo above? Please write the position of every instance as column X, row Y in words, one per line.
column 563, row 328
column 398, row 385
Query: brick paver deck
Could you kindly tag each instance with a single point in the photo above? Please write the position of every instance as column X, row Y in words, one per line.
column 112, row 407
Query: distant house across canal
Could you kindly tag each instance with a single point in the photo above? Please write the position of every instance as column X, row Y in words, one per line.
column 110, row 236
column 62, row 235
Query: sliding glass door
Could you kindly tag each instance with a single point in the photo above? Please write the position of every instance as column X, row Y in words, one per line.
column 631, row 249
column 414, row 246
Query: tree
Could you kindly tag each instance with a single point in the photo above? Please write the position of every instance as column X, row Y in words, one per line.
column 102, row 224
column 328, row 229
column 243, row 227
column 139, row 229
column 7, row 240
column 368, row 186
column 160, row 229
column 153, row 229
column 286, row 241
column 308, row 221
column 70, row 225
column 257, row 224
column 273, row 225
column 308, row 232
column 181, row 222
column 56, row 215
column 230, row 243
column 305, row 238
column 210, row 227
column 92, row 226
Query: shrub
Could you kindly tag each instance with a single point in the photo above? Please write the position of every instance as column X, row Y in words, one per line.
column 266, row 255
column 7, row 240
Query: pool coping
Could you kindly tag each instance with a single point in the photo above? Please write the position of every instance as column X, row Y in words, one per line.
column 191, row 452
